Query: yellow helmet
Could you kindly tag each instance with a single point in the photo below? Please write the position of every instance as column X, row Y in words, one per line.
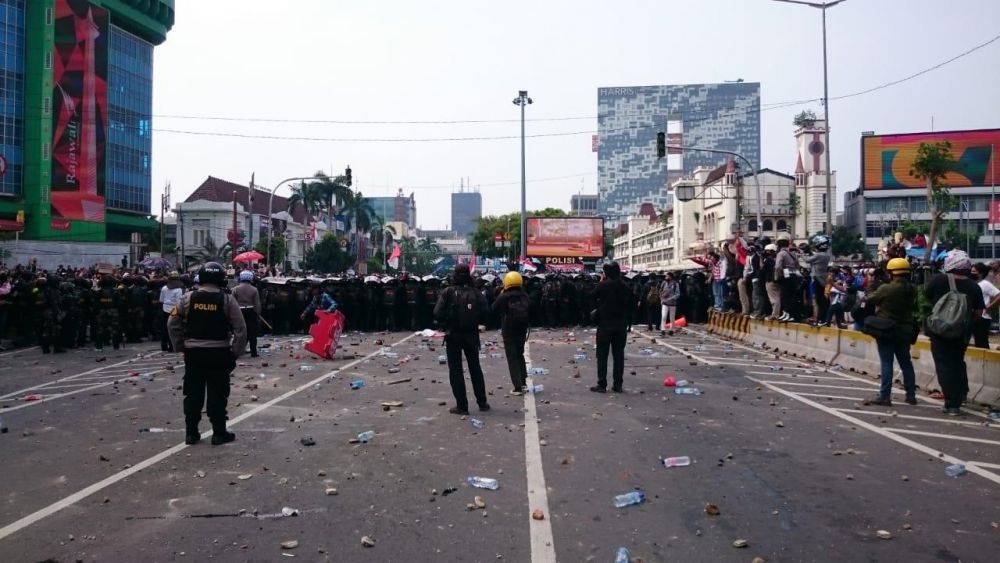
column 512, row 279
column 898, row 265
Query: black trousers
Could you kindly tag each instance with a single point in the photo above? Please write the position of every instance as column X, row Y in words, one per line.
column 981, row 333
column 206, row 372
column 791, row 298
column 468, row 344
column 610, row 341
column 819, row 296
column 250, row 317
column 949, row 363
column 513, row 344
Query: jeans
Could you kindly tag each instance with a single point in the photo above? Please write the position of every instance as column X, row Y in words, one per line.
column 949, row 363
column 667, row 312
column 614, row 341
column 513, row 345
column 455, row 345
column 719, row 293
column 887, row 348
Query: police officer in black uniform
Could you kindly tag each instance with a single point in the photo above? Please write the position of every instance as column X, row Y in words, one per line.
column 208, row 327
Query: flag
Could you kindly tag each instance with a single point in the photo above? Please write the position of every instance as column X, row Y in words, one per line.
column 394, row 257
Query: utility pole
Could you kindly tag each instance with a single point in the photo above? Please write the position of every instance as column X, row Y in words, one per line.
column 164, row 204
column 232, row 241
column 523, row 100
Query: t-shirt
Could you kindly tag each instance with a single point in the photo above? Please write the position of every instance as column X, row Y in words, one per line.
column 938, row 286
column 819, row 265
column 989, row 292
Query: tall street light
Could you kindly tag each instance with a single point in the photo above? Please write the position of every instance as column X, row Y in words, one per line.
column 826, row 105
column 523, row 100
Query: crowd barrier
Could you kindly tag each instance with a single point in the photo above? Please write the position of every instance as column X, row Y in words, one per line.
column 856, row 352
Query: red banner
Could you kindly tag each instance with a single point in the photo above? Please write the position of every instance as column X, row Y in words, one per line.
column 994, row 221
column 80, row 102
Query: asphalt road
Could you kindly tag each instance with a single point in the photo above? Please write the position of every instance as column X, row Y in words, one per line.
column 797, row 466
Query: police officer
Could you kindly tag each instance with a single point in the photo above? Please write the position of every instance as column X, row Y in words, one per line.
column 249, row 300
column 208, row 327
column 107, row 307
column 46, row 301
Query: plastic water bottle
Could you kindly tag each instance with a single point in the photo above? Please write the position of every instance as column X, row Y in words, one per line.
column 357, row 384
column 534, row 389
column 682, row 383
column 623, row 555
column 538, row 371
column 483, row 483
column 366, row 436
column 579, row 357
column 699, row 348
column 306, row 368
column 687, row 391
column 955, row 470
column 442, row 359
column 477, row 423
column 679, row 461
column 148, row 376
column 628, row 499
column 152, row 430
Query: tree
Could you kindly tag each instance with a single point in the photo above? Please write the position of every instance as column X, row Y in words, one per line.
column 847, row 242
column 333, row 192
column 481, row 239
column 932, row 164
column 327, row 256
column 211, row 252
column 805, row 119
column 954, row 236
column 794, row 207
column 358, row 214
column 278, row 248
column 427, row 244
column 307, row 195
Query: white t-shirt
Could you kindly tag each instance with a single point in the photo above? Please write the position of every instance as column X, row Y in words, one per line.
column 170, row 297
column 989, row 292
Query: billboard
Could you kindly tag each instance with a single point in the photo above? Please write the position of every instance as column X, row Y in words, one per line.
column 886, row 160
column 79, row 118
column 569, row 238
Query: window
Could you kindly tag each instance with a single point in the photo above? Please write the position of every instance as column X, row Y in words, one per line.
column 769, row 198
column 824, row 204
column 45, row 151
column 201, row 228
column 768, row 225
column 48, row 16
column 48, row 60
column 752, row 224
column 782, row 225
column 46, row 105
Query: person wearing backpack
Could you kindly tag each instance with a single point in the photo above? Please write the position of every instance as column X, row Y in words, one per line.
column 514, row 310
column 894, row 330
column 461, row 310
column 651, row 302
column 956, row 301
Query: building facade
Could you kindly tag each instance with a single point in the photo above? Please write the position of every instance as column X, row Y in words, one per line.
column 466, row 207
column 398, row 208
column 583, row 205
column 718, row 116
column 76, row 115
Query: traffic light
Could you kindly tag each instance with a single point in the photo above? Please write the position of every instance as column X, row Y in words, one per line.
column 347, row 174
column 661, row 144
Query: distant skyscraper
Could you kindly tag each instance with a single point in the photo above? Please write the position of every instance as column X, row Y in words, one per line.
column 466, row 207
column 720, row 116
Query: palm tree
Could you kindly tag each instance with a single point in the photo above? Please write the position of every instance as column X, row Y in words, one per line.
column 210, row 252
column 335, row 194
column 427, row 244
column 358, row 215
column 309, row 196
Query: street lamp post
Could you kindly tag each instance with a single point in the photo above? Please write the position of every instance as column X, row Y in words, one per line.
column 687, row 193
column 823, row 6
column 523, row 100
column 270, row 210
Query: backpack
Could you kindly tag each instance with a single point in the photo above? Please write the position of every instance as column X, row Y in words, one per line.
column 950, row 316
column 518, row 313
column 653, row 295
column 465, row 310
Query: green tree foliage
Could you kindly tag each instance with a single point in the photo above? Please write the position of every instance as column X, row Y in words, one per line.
column 327, row 257
column 309, row 196
column 847, row 242
column 481, row 239
column 805, row 119
column 211, row 252
column 932, row 164
column 333, row 192
column 278, row 249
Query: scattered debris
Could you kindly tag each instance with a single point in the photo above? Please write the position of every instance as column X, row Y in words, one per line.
column 245, row 476
column 290, row 544
column 712, row 510
column 741, row 543
column 331, row 491
column 884, row 534
column 537, row 514
column 307, row 441
column 398, row 381
column 367, row 541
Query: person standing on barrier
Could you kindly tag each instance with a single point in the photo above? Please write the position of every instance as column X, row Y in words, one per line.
column 950, row 326
column 461, row 310
column 208, row 328
column 248, row 299
column 514, row 310
column 894, row 330
column 769, row 277
column 613, row 301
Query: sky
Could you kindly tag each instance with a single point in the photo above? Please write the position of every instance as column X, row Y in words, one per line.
column 245, row 61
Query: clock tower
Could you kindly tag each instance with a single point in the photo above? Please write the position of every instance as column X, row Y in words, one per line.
column 812, row 178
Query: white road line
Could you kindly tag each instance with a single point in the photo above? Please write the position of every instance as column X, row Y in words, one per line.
column 912, row 417
column 540, row 531
column 995, row 478
column 797, row 375
column 793, row 383
column 68, row 378
column 983, row 464
column 859, row 399
column 12, row 352
column 686, row 353
column 76, row 497
column 944, row 436
column 46, row 398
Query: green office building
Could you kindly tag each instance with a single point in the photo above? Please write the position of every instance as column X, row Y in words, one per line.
column 76, row 116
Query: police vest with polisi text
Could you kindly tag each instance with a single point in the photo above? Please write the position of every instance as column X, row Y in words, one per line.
column 206, row 316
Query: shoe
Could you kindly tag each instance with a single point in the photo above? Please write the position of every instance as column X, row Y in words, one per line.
column 517, row 391
column 484, row 407
column 842, row 326
column 599, row 389
column 456, row 410
column 879, row 400
column 822, row 324
column 952, row 411
column 663, row 333
column 192, row 439
column 224, row 437
column 253, row 354
column 911, row 400
column 98, row 349
column 617, row 389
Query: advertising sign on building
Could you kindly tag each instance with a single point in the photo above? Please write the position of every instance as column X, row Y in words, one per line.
column 886, row 160
column 994, row 219
column 565, row 237
column 80, row 102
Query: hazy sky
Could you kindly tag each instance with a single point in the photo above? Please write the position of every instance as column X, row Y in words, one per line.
column 426, row 60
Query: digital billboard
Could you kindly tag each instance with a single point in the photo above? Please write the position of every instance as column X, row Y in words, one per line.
column 886, row 160
column 565, row 237
column 80, row 105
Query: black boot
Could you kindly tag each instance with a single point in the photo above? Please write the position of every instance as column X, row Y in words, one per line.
column 220, row 435
column 191, row 434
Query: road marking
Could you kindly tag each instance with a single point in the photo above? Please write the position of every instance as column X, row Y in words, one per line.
column 797, row 375
column 684, row 352
column 944, row 436
column 12, row 352
column 71, row 377
column 76, row 497
column 542, row 545
column 913, row 417
column 896, row 391
column 983, row 464
column 822, row 396
column 989, row 475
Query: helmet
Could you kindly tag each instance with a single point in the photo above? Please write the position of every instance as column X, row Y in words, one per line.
column 957, row 261
column 512, row 279
column 246, row 276
column 821, row 242
column 898, row 265
column 771, row 247
column 212, row 273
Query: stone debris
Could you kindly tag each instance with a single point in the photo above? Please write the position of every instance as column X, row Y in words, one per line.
column 537, row 514
column 711, row 509
column 307, row 441
column 884, row 534
column 741, row 543
column 367, row 541
column 245, row 476
column 331, row 491
column 779, row 424
column 290, row 544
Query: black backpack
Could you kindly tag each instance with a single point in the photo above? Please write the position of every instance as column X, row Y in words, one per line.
column 464, row 310
column 518, row 312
